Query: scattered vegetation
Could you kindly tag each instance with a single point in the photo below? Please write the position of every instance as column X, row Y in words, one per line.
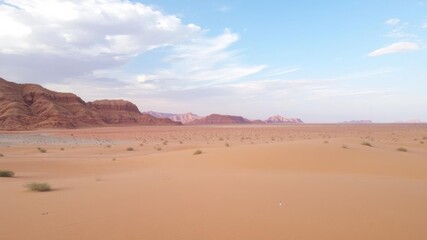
column 402, row 149
column 367, row 144
column 197, row 152
column 42, row 150
column 6, row 173
column 38, row 187
column 129, row 149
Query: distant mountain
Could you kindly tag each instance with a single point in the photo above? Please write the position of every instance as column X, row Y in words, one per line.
column 220, row 119
column 358, row 122
column 412, row 121
column 184, row 118
column 279, row 119
column 30, row 106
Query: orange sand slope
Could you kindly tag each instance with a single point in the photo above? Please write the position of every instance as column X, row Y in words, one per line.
column 250, row 182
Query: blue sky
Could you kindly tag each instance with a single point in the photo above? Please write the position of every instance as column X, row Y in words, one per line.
column 322, row 61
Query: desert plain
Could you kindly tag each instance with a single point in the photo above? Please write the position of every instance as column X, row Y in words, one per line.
column 309, row 181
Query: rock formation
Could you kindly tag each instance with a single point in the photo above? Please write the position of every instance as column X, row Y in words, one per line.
column 279, row 119
column 221, row 119
column 30, row 106
column 184, row 118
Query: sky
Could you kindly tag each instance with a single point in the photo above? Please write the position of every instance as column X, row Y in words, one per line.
column 321, row 61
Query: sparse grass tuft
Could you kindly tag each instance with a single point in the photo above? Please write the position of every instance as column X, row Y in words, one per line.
column 129, row 149
column 367, row 144
column 402, row 149
column 6, row 173
column 42, row 150
column 38, row 187
column 197, row 152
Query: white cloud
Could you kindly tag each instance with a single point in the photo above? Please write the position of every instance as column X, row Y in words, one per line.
column 425, row 25
column 80, row 37
column 395, row 48
column 392, row 21
column 201, row 62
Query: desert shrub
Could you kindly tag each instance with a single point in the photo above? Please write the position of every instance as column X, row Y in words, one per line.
column 402, row 149
column 227, row 145
column 129, row 149
column 1, row 155
column 367, row 144
column 38, row 187
column 325, row 142
column 197, row 152
column 6, row 173
column 344, row 146
column 42, row 150
column 62, row 149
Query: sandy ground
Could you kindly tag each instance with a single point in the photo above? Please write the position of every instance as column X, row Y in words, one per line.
column 250, row 182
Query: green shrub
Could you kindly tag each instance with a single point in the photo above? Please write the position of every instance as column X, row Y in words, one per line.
column 38, row 187
column 6, row 173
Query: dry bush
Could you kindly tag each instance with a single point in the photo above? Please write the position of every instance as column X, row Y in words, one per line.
column 42, row 150
column 38, row 187
column 6, row 173
column 401, row 149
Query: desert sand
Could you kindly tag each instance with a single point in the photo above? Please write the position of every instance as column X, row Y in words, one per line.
column 249, row 182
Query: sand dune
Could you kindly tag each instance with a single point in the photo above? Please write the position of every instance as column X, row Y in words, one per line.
column 271, row 182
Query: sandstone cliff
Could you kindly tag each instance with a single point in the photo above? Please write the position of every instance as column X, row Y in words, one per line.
column 30, row 106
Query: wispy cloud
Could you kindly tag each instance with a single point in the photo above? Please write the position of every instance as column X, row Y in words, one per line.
column 224, row 9
column 392, row 21
column 395, row 48
column 201, row 62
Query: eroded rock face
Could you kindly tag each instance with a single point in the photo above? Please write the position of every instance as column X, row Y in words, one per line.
column 280, row 119
column 184, row 118
column 114, row 105
column 30, row 106
column 221, row 119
